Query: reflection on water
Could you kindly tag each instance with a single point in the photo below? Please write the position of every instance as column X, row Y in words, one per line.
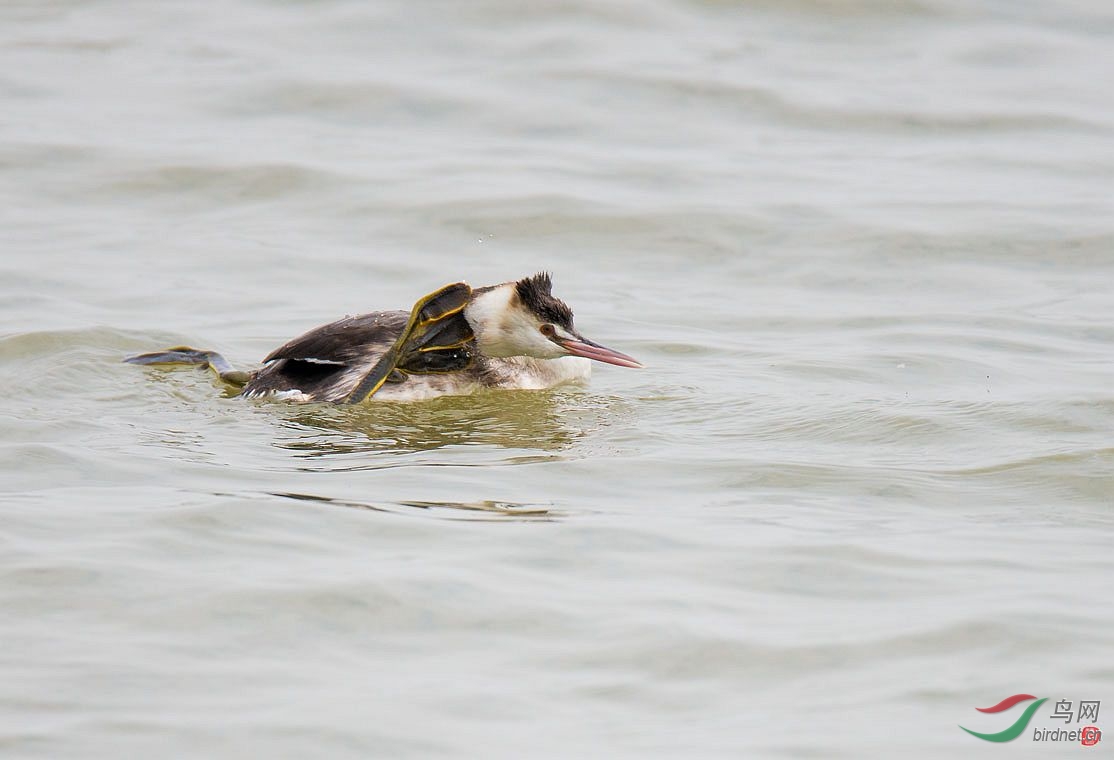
column 551, row 421
column 473, row 510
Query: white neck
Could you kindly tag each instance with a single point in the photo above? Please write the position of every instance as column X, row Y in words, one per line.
column 486, row 314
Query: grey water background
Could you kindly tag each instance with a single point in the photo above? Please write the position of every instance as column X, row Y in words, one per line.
column 864, row 485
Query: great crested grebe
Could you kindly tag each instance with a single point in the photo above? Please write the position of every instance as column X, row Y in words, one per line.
column 455, row 341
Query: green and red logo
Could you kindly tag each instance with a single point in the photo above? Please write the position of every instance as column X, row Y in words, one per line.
column 1018, row 726
column 1088, row 736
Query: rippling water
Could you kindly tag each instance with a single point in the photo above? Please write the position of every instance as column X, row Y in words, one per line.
column 865, row 248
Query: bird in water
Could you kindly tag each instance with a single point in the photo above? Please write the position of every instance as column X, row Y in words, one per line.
column 455, row 341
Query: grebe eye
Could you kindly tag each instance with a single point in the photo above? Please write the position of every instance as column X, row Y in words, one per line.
column 548, row 330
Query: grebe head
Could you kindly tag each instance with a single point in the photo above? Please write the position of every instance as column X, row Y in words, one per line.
column 524, row 318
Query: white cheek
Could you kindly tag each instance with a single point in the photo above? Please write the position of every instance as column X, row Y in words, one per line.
column 528, row 340
column 547, row 349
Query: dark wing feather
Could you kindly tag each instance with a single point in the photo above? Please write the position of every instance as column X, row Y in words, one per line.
column 344, row 340
column 436, row 338
column 351, row 358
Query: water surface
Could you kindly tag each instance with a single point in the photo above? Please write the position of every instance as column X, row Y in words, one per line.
column 864, row 485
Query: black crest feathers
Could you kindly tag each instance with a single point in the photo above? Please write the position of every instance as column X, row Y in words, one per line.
column 536, row 294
